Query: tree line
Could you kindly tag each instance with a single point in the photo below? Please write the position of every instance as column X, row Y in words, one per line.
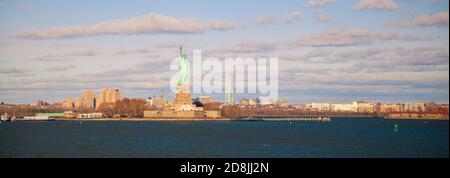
column 123, row 108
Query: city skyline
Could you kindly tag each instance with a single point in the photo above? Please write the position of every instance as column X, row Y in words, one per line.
column 329, row 50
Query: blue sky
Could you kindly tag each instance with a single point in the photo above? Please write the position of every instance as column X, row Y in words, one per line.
column 330, row 51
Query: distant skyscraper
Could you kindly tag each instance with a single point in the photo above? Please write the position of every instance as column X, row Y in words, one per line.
column 108, row 95
column 229, row 98
column 88, row 99
column 229, row 95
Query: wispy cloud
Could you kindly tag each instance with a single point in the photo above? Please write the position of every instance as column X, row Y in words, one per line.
column 66, row 57
column 60, row 68
column 346, row 37
column 291, row 17
column 377, row 60
column 244, row 47
column 439, row 19
column 319, row 3
column 146, row 24
column 128, row 52
column 168, row 44
column 287, row 19
column 264, row 20
column 376, row 4
column 11, row 71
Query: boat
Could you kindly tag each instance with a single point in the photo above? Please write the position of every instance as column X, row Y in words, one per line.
column 36, row 118
column 5, row 117
column 325, row 119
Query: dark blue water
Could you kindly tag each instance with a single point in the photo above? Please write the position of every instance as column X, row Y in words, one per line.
column 343, row 137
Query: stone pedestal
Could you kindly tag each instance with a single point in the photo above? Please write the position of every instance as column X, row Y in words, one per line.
column 183, row 95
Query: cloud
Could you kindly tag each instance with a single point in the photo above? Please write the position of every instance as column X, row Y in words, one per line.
column 66, row 57
column 152, row 56
column 377, row 59
column 147, row 24
column 128, row 52
column 376, row 4
column 319, row 3
column 220, row 25
column 244, row 47
column 291, row 17
column 439, row 19
column 60, row 68
column 346, row 37
column 16, row 72
column 264, row 20
column 169, row 44
column 12, row 71
column 408, row 60
column 332, row 55
column 287, row 19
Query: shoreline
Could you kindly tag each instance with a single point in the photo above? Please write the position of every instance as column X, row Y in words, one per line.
column 425, row 119
column 148, row 119
column 212, row 119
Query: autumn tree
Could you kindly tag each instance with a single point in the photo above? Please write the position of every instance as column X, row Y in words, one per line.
column 106, row 108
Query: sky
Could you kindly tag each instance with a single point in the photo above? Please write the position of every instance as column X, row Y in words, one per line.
column 329, row 50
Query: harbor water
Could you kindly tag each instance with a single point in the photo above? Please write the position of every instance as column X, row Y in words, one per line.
column 342, row 137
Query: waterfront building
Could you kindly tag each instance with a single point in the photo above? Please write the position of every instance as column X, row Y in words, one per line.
column 321, row 106
column 206, row 99
column 90, row 115
column 41, row 103
column 149, row 102
column 389, row 107
column 346, row 107
column 160, row 102
column 108, row 95
column 88, row 100
column 50, row 115
column 364, row 107
column 70, row 114
column 267, row 101
column 243, row 102
column 253, row 102
column 157, row 101
column 282, row 102
column 303, row 106
column 414, row 107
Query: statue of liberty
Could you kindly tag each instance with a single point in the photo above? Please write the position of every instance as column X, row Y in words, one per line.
column 185, row 69
column 183, row 95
